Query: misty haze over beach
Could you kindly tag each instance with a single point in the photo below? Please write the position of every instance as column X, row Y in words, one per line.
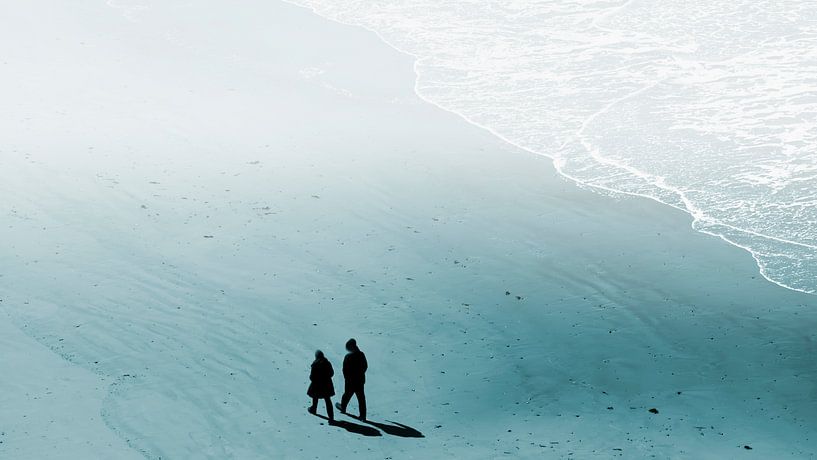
column 555, row 229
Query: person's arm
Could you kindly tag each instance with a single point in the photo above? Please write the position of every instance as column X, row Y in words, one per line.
column 312, row 373
column 331, row 370
column 365, row 363
column 346, row 362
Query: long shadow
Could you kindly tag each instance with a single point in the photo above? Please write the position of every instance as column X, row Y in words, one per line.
column 395, row 429
column 355, row 428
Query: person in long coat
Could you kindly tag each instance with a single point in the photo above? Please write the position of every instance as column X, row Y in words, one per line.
column 320, row 386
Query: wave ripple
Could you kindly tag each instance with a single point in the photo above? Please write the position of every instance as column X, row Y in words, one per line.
column 710, row 107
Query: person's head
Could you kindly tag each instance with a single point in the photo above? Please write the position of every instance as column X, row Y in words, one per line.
column 318, row 354
column 351, row 345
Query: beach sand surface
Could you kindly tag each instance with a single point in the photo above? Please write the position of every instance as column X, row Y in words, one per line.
column 198, row 196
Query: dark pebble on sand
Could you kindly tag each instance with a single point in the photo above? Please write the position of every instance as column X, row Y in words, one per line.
column 747, row 447
column 654, row 410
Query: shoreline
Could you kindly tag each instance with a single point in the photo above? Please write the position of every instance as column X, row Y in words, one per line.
column 696, row 216
column 504, row 310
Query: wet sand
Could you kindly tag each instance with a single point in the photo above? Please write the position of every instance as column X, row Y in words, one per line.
column 213, row 211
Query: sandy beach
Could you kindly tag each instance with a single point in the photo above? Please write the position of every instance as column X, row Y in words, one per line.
column 193, row 202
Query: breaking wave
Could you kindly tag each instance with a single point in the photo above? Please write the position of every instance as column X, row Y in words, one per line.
column 709, row 107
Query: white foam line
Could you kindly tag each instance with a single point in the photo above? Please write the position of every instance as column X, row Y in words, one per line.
column 696, row 214
column 658, row 181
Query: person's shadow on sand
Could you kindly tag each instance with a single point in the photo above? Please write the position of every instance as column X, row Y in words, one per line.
column 396, row 429
column 362, row 430
column 393, row 429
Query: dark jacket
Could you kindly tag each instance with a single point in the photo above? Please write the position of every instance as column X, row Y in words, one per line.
column 354, row 368
column 321, row 378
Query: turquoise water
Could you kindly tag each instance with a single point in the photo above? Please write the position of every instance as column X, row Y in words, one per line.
column 709, row 107
column 201, row 200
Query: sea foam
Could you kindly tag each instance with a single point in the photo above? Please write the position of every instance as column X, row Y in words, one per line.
column 710, row 107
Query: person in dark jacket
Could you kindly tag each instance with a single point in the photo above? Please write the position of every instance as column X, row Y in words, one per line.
column 320, row 386
column 354, row 372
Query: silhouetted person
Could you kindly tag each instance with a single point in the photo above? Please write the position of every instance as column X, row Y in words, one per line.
column 354, row 372
column 321, row 386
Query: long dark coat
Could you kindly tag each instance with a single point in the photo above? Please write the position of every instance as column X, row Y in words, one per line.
column 321, row 379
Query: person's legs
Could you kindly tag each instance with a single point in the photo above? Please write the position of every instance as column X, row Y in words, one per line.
column 347, row 396
column 314, row 407
column 330, row 412
column 361, row 402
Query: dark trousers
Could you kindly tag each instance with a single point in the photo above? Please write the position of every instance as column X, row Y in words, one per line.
column 355, row 389
column 330, row 412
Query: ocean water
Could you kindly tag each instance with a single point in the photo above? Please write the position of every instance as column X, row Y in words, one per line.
column 197, row 196
column 709, row 107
